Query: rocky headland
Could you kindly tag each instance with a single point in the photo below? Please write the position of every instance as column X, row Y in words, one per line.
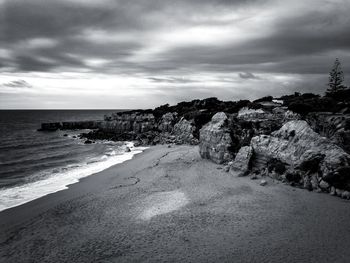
column 293, row 139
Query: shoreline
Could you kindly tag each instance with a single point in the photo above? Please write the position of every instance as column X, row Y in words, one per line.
column 168, row 204
column 43, row 203
column 19, row 195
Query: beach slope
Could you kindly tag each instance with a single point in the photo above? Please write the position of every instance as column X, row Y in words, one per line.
column 169, row 205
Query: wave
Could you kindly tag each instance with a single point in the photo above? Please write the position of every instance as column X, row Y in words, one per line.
column 18, row 195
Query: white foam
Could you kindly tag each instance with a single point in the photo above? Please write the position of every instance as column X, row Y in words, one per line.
column 15, row 196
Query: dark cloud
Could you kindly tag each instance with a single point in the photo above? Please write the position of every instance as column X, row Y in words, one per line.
column 153, row 40
column 304, row 34
column 17, row 84
column 247, row 75
column 172, row 80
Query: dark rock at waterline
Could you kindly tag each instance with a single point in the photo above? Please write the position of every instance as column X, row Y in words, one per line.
column 53, row 126
column 72, row 125
column 65, row 135
column 88, row 142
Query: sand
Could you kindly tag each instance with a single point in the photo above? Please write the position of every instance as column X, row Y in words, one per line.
column 169, row 205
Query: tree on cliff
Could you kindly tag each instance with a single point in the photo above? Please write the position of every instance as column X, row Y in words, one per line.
column 336, row 78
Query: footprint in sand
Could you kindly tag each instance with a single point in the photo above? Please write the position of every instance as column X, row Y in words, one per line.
column 162, row 203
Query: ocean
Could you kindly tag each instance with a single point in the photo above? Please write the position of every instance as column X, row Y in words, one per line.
column 34, row 164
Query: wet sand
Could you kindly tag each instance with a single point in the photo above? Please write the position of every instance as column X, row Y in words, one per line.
column 169, row 205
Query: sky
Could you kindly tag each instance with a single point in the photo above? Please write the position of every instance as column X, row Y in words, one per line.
column 113, row 54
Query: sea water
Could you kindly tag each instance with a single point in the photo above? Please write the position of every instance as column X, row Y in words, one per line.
column 34, row 164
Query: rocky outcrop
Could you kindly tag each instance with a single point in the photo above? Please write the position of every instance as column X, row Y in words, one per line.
column 336, row 127
column 183, row 132
column 302, row 150
column 241, row 165
column 129, row 122
column 52, row 126
column 167, row 121
column 247, row 113
column 71, row 125
column 80, row 125
column 249, row 123
column 215, row 140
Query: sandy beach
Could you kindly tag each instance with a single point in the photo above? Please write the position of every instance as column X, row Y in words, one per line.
column 169, row 205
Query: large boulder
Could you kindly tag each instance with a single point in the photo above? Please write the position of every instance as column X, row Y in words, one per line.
column 240, row 166
column 183, row 132
column 215, row 139
column 298, row 146
column 167, row 121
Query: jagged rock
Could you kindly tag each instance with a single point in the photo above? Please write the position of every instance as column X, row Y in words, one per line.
column 324, row 186
column 276, row 166
column 311, row 161
column 88, row 142
column 137, row 143
column 293, row 176
column 263, row 182
column 333, row 191
column 290, row 116
column 240, row 165
column 227, row 168
column 247, row 113
column 136, row 122
column 127, row 149
column 345, row 195
column 339, row 192
column 167, row 122
column 249, row 123
column 253, row 176
column 215, row 139
column 183, row 132
column 314, row 180
column 307, row 183
column 333, row 126
column 293, row 150
column 76, row 125
column 54, row 126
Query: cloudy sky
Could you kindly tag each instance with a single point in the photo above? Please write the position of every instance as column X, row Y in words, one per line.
column 142, row 53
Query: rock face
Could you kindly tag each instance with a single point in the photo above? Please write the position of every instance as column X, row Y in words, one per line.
column 240, row 165
column 72, row 125
column 53, row 126
column 247, row 113
column 300, row 148
column 215, row 140
column 166, row 123
column 183, row 132
column 80, row 125
column 249, row 123
column 336, row 127
column 128, row 122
